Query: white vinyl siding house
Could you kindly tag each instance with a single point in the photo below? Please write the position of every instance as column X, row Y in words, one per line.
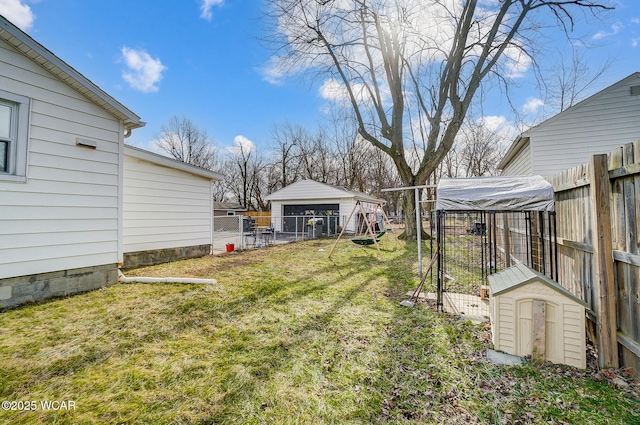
column 60, row 208
column 598, row 124
column 312, row 193
column 167, row 205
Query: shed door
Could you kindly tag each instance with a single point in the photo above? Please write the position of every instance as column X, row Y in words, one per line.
column 524, row 331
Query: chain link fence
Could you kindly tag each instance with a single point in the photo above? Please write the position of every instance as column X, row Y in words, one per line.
column 235, row 232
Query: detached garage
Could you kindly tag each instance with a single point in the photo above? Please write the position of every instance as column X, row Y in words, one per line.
column 292, row 205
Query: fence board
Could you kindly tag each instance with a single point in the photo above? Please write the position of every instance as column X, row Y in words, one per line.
column 575, row 239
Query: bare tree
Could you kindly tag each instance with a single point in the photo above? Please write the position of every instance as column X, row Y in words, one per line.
column 569, row 79
column 244, row 174
column 285, row 150
column 184, row 141
column 220, row 190
column 480, row 150
column 410, row 69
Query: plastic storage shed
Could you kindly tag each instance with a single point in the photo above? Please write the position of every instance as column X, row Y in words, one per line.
column 513, row 292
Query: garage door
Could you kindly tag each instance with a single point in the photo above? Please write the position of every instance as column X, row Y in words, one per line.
column 312, row 210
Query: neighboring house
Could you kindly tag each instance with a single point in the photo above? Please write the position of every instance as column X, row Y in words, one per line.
column 306, row 198
column 167, row 209
column 598, row 124
column 227, row 208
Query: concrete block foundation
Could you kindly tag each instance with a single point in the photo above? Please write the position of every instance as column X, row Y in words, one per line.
column 157, row 256
column 23, row 289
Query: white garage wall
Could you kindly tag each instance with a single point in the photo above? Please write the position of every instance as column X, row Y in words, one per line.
column 164, row 207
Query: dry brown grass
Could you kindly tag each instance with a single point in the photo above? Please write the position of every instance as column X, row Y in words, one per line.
column 286, row 336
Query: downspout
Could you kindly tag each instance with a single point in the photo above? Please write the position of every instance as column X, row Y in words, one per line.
column 211, row 219
column 123, row 279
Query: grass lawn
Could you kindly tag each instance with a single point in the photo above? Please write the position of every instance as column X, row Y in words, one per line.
column 287, row 336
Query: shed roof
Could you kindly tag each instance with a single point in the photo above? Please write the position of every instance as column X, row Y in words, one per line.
column 520, row 275
column 56, row 66
column 513, row 193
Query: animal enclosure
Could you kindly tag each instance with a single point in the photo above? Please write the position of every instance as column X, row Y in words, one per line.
column 484, row 225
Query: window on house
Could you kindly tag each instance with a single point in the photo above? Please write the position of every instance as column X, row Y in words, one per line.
column 6, row 130
column 14, row 121
column 3, row 156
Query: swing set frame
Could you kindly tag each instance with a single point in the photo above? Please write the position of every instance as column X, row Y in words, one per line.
column 369, row 231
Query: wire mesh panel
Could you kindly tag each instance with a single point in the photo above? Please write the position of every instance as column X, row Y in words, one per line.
column 474, row 244
column 527, row 237
column 227, row 230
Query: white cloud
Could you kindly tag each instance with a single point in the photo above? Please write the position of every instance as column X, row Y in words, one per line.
column 500, row 126
column 17, row 13
column 532, row 105
column 333, row 90
column 241, row 145
column 635, row 20
column 615, row 28
column 634, row 42
column 492, row 122
column 272, row 73
column 205, row 8
column 516, row 62
column 144, row 72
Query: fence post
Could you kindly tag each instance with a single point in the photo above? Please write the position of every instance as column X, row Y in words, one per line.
column 604, row 291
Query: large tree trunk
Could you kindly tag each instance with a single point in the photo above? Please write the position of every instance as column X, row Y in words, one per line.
column 409, row 209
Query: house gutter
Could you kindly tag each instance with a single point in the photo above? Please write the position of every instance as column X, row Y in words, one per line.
column 123, row 279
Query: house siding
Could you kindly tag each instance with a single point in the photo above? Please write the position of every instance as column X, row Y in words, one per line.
column 66, row 215
column 164, row 207
column 597, row 126
column 520, row 164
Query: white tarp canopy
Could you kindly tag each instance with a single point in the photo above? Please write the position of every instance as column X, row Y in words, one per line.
column 513, row 193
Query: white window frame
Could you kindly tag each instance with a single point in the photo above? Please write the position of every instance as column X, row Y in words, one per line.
column 18, row 143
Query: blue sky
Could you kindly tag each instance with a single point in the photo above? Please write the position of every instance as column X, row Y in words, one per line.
column 203, row 59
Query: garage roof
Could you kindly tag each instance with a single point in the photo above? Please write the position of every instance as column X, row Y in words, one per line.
column 313, row 190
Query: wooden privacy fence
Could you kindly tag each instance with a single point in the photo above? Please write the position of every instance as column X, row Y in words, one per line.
column 598, row 232
column 262, row 218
